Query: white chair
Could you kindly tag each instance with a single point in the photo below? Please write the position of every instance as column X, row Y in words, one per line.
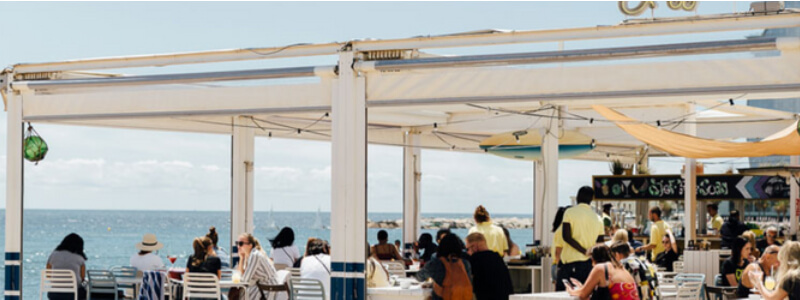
column 58, row 281
column 279, row 267
column 687, row 290
column 677, row 266
column 101, row 281
column 295, row 272
column 395, row 268
column 306, row 289
column 200, row 286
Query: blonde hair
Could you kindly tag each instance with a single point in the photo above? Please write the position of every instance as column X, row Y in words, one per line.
column 620, row 236
column 252, row 240
column 751, row 238
column 475, row 237
column 789, row 256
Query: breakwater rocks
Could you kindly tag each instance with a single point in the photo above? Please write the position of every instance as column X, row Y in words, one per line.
column 442, row 223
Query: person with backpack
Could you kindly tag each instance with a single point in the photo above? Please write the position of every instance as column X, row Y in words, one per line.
column 645, row 283
column 450, row 272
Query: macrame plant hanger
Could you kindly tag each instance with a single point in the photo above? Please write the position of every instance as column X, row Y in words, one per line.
column 34, row 146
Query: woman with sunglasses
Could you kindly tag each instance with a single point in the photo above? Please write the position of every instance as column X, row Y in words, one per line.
column 255, row 266
column 670, row 255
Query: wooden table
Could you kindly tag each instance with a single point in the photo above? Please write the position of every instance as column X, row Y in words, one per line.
column 415, row 292
column 544, row 296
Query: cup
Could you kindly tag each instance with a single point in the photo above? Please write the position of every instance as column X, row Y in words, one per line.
column 405, row 284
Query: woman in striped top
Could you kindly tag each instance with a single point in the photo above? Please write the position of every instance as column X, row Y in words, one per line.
column 255, row 267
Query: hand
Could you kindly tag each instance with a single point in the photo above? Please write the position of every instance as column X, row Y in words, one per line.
column 576, row 283
column 756, row 277
column 638, row 249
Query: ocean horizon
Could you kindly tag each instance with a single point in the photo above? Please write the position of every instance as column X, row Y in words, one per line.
column 110, row 235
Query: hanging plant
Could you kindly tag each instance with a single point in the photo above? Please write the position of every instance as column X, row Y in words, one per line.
column 34, row 147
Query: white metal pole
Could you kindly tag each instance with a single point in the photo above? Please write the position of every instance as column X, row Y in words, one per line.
column 349, row 182
column 794, row 198
column 550, row 154
column 411, row 186
column 690, row 186
column 539, row 226
column 14, row 203
column 242, row 158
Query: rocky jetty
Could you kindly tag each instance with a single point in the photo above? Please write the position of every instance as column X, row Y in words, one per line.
column 450, row 223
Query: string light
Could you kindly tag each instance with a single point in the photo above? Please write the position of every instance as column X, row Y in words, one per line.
column 730, row 101
column 435, row 127
column 299, row 131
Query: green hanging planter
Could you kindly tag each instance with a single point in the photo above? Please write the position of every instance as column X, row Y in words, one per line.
column 34, row 146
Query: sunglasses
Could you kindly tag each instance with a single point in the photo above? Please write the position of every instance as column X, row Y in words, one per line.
column 240, row 243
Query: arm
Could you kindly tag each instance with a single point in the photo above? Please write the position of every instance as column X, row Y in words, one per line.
column 83, row 272
column 591, row 282
column 558, row 255
column 778, row 294
column 397, row 254
column 567, row 236
column 746, row 276
column 672, row 241
column 731, row 279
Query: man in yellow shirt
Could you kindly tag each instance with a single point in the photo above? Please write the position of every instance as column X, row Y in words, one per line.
column 581, row 229
column 494, row 235
column 716, row 220
column 657, row 232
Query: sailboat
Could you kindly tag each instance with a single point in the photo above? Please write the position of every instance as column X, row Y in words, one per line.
column 270, row 220
column 318, row 221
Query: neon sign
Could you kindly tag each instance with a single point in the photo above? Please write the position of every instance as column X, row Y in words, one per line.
column 642, row 6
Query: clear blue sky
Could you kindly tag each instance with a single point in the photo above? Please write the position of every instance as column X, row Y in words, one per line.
column 92, row 168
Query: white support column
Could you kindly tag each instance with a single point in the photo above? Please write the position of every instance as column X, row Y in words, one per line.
column 539, row 228
column 349, row 182
column 14, row 198
column 690, row 184
column 642, row 206
column 411, row 186
column 794, row 198
column 549, row 204
column 242, row 161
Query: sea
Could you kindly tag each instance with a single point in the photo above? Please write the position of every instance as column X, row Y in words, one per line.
column 109, row 236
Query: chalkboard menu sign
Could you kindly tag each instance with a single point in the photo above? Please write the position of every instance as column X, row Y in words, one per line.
column 709, row 187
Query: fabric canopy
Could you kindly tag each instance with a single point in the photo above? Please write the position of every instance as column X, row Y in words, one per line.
column 784, row 142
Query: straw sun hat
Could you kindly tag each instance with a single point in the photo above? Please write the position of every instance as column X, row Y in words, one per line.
column 149, row 243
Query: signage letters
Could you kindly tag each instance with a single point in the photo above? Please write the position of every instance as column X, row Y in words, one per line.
column 642, row 6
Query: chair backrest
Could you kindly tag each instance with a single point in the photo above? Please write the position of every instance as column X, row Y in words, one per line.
column 279, row 288
column 677, row 266
column 295, row 272
column 200, row 286
column 690, row 290
column 395, row 268
column 306, row 289
column 226, row 274
column 58, row 281
column 690, row 277
column 123, row 271
column 279, row 267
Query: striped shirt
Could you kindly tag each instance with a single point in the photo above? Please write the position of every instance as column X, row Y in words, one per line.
column 258, row 269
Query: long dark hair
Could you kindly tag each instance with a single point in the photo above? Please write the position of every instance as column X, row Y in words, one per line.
column 200, row 245
column 426, row 241
column 602, row 254
column 559, row 217
column 450, row 245
column 738, row 244
column 72, row 243
column 212, row 235
column 284, row 238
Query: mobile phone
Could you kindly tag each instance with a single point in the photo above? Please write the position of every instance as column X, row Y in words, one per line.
column 567, row 283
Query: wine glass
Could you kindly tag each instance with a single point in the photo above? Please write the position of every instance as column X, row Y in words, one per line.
column 172, row 258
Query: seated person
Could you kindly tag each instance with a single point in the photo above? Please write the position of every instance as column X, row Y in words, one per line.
column 317, row 263
column 607, row 280
column 770, row 238
column 635, row 244
column 383, row 250
column 788, row 284
column 767, row 262
column 146, row 260
column 204, row 259
column 490, row 277
column 733, row 267
column 451, row 274
column 670, row 255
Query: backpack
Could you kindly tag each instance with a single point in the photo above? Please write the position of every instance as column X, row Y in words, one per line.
column 456, row 284
column 643, row 275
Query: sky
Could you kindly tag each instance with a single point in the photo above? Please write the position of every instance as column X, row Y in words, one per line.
column 100, row 168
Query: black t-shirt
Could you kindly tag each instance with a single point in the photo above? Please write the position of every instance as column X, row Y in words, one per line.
column 490, row 277
column 762, row 245
column 729, row 267
column 792, row 287
column 212, row 265
column 665, row 259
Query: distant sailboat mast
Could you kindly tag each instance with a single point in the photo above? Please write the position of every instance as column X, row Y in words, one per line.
column 270, row 220
column 318, row 221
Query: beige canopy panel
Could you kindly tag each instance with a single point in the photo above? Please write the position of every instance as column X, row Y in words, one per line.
column 784, row 142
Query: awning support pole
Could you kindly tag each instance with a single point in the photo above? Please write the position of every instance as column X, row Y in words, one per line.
column 242, row 161
column 690, row 184
column 546, row 208
column 411, row 186
column 349, row 182
column 14, row 196
column 794, row 198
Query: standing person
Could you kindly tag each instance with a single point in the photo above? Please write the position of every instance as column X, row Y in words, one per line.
column 513, row 248
column 608, row 223
column 558, row 242
column 714, row 218
column 284, row 252
column 146, row 260
column 255, row 266
column 670, row 255
column 223, row 256
column 495, row 238
column 582, row 228
column 451, row 274
column 770, row 238
column 731, row 229
column 69, row 255
column 733, row 267
column 608, row 279
column 788, row 286
column 490, row 277
column 426, row 244
column 765, row 265
column 383, row 250
column 657, row 232
column 317, row 265
column 204, row 259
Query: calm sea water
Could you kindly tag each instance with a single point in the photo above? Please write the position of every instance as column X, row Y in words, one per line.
column 110, row 236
